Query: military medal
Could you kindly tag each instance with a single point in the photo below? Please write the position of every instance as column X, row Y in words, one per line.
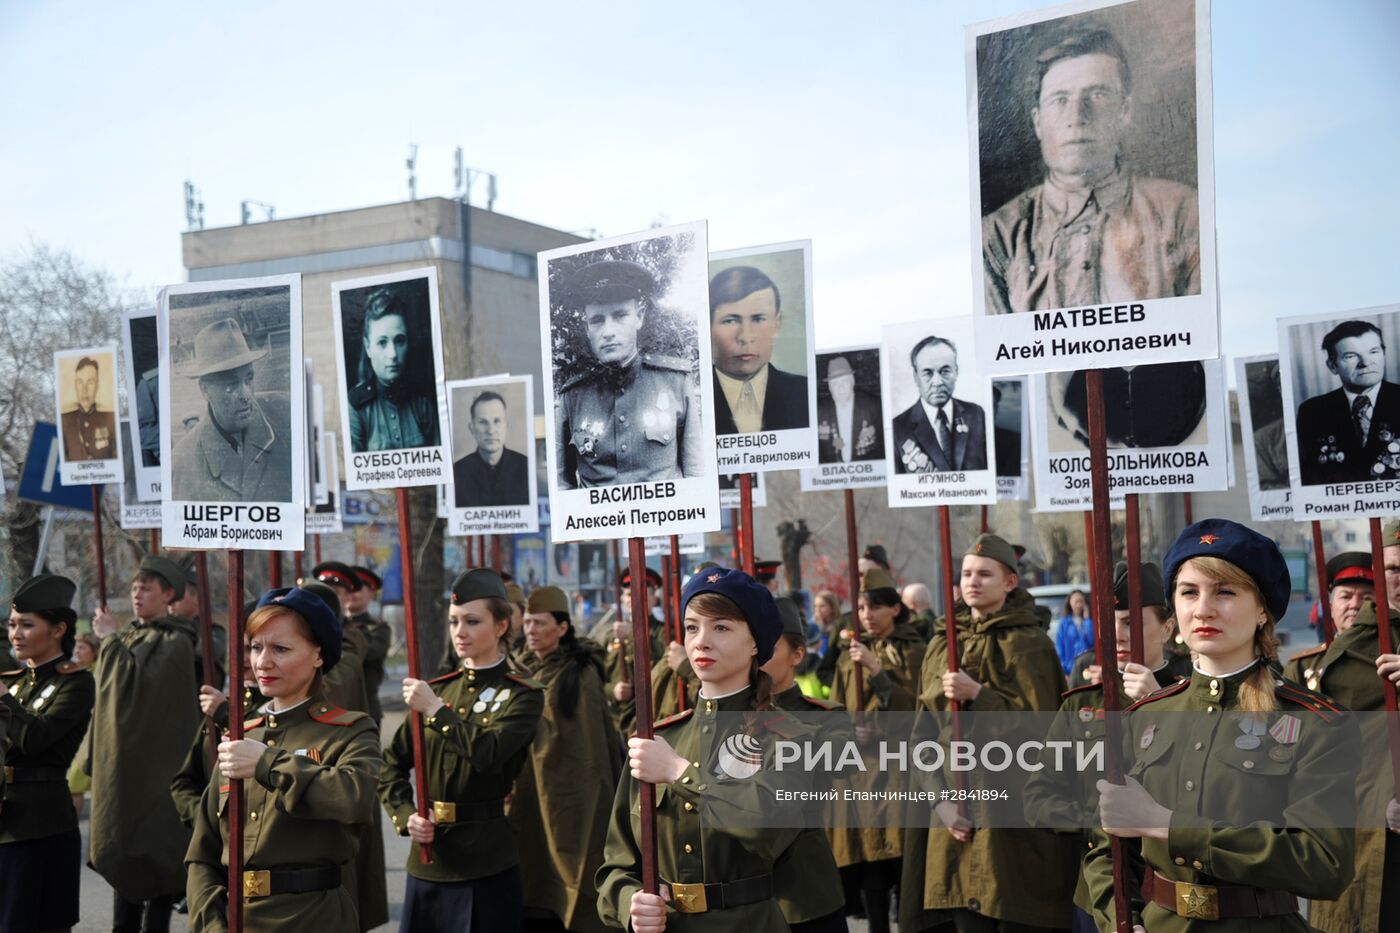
column 1147, row 735
column 1252, row 728
column 1086, row 715
column 1286, row 730
column 48, row 691
column 479, row 706
column 1281, row 753
column 500, row 699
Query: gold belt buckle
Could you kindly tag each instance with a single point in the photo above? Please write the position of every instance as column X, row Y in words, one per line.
column 257, row 883
column 1197, row 901
column 444, row 812
column 689, row 898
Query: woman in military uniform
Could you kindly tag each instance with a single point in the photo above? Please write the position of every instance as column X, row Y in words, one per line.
column 890, row 654
column 308, row 771
column 618, row 661
column 393, row 406
column 559, row 809
column 1238, row 784
column 48, row 703
column 714, row 875
column 478, row 724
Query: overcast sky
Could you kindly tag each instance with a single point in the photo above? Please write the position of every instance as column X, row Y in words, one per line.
column 773, row 121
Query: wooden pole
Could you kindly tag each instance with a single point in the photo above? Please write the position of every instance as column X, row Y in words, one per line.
column 1387, row 646
column 1106, row 642
column 676, row 609
column 736, row 525
column 206, row 628
column 746, row 510
column 1186, row 508
column 496, row 553
column 985, row 524
column 950, row 628
column 274, row 570
column 155, row 541
column 1329, row 630
column 1134, row 555
column 316, row 546
column 410, row 625
column 297, row 569
column 236, row 715
column 641, row 677
column 853, row 580
column 101, row 553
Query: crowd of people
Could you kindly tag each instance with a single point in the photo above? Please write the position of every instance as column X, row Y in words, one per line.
column 1266, row 795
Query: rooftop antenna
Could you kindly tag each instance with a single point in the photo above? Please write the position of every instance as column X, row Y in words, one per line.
column 464, row 176
column 412, row 161
column 194, row 207
column 246, row 210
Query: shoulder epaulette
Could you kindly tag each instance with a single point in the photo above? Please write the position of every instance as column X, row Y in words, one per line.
column 68, row 667
column 1073, row 690
column 362, row 395
column 446, row 677
column 577, row 380
column 675, row 363
column 524, row 680
column 672, row 720
column 1316, row 649
column 335, row 716
column 819, row 703
column 1171, row 690
column 253, row 723
column 780, row 724
column 1308, row 699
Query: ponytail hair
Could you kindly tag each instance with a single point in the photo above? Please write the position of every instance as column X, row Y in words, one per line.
column 1256, row 690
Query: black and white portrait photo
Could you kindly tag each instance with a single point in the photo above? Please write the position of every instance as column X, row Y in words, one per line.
column 136, row 514
column 493, row 445
column 732, row 497
column 1092, row 163
column 233, row 397
column 1344, row 401
column 85, row 397
column 1166, row 426
column 1265, row 444
column 143, row 397
column 390, row 375
column 628, row 377
column 849, row 416
column 1010, row 416
column 323, row 518
column 937, row 441
column 762, row 344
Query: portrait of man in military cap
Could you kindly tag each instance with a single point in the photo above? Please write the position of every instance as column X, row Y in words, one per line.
column 1087, row 149
column 938, row 433
column 87, row 396
column 627, row 406
column 1348, row 419
column 849, row 414
column 231, row 425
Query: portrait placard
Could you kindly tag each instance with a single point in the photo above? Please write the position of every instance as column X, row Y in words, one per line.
column 232, row 393
column 85, row 398
column 630, row 430
column 731, row 498
column 320, row 492
column 143, row 398
column 1341, row 393
column 136, row 515
column 1011, row 439
column 1093, row 181
column 493, row 488
column 324, row 518
column 393, row 408
column 763, row 342
column 687, row 544
column 1167, row 427
column 444, row 503
column 1265, row 441
column 938, row 439
column 850, row 421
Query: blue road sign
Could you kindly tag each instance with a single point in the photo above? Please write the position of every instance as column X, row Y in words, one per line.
column 39, row 482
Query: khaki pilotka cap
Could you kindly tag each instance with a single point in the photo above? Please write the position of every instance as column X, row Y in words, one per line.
column 547, row 599
column 995, row 548
column 1390, row 532
column 877, row 578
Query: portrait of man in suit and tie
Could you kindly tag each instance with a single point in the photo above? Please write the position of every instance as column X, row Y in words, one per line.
column 938, row 433
column 746, row 320
column 849, row 416
column 1351, row 433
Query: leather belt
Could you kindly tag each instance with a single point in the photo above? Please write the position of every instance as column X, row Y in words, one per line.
column 20, row 775
column 699, row 898
column 1217, row 901
column 268, row 882
column 474, row 812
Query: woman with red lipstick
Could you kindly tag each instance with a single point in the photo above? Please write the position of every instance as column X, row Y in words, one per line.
column 48, row 703
column 308, row 771
column 478, row 723
column 1239, row 785
column 713, row 877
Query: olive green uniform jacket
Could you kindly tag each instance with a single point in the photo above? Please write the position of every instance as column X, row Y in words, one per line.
column 188, row 784
column 618, row 665
column 805, row 876
column 1346, row 672
column 1010, row 655
column 474, row 749
column 146, row 710
column 312, row 791
column 378, row 637
column 696, row 842
column 559, row 810
column 895, row 689
column 48, row 708
column 1275, row 816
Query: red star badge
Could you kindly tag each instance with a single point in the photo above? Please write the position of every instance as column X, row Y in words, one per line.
column 714, row 577
column 977, row 548
column 1209, row 539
